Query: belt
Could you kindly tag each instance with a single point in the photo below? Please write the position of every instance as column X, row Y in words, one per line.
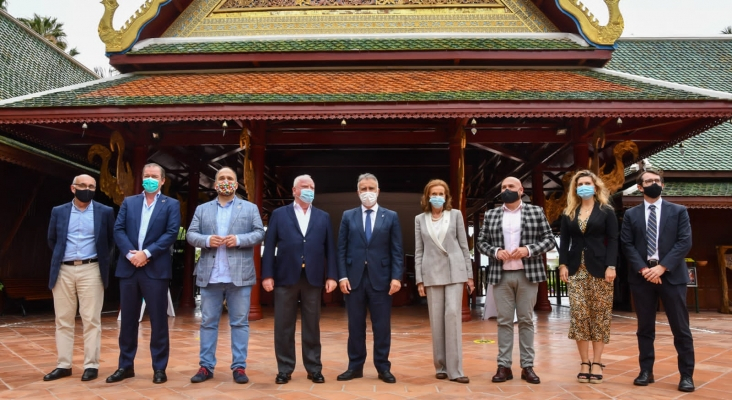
column 652, row 263
column 80, row 262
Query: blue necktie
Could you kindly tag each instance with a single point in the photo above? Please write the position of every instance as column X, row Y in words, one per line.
column 368, row 225
column 651, row 230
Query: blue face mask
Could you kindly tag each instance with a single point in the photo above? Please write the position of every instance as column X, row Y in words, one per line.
column 307, row 195
column 150, row 185
column 437, row 201
column 585, row 191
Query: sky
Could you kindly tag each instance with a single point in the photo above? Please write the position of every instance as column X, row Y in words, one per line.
column 643, row 18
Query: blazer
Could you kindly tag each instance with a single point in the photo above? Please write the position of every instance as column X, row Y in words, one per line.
column 536, row 235
column 599, row 241
column 383, row 253
column 674, row 242
column 162, row 231
column 446, row 263
column 103, row 235
column 286, row 248
column 245, row 223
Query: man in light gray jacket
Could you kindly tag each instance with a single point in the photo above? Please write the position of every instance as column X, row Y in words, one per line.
column 226, row 229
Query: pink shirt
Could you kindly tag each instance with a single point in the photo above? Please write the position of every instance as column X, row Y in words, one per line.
column 512, row 235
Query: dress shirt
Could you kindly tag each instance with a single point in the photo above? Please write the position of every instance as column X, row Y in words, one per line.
column 512, row 235
column 221, row 272
column 375, row 208
column 303, row 217
column 144, row 223
column 658, row 202
column 80, row 244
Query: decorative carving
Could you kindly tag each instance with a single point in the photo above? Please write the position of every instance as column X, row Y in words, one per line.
column 245, row 142
column 237, row 5
column 117, row 188
column 588, row 24
column 122, row 39
column 555, row 203
column 615, row 179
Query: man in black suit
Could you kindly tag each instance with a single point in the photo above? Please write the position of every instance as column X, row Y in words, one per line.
column 655, row 238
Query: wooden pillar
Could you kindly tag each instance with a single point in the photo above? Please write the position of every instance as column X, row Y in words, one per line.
column 139, row 159
column 537, row 185
column 186, row 297
column 581, row 150
column 457, row 187
column 258, row 131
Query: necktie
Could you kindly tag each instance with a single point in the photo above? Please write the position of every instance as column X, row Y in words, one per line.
column 651, row 230
column 368, row 225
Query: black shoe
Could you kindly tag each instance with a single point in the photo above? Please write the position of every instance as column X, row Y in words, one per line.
column 350, row 374
column 644, row 378
column 203, row 374
column 159, row 376
column 240, row 375
column 316, row 377
column 120, row 375
column 90, row 374
column 387, row 377
column 686, row 384
column 282, row 378
column 57, row 373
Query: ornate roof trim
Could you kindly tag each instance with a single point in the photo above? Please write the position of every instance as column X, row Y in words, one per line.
column 667, row 84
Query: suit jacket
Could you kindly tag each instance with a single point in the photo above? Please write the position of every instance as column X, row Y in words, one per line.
column 162, row 231
column 103, row 234
column 446, row 263
column 599, row 241
column 315, row 248
column 674, row 242
column 536, row 235
column 245, row 223
column 383, row 252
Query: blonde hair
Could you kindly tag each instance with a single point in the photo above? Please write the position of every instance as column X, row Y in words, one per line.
column 574, row 201
column 425, row 201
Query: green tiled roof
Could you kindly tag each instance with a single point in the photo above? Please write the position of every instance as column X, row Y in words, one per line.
column 695, row 188
column 709, row 151
column 30, row 64
column 311, row 45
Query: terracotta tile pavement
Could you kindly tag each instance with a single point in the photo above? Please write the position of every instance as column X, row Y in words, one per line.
column 27, row 352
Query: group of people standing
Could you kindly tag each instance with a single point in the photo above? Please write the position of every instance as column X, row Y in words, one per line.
column 302, row 256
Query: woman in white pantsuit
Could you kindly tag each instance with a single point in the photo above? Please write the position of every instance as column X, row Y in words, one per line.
column 442, row 266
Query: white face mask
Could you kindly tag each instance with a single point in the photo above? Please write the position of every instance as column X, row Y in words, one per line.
column 368, row 198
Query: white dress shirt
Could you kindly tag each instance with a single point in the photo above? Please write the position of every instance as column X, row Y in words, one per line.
column 144, row 222
column 654, row 256
column 512, row 235
column 303, row 217
column 375, row 208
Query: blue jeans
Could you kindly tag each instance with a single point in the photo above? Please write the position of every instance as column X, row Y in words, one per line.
column 238, row 299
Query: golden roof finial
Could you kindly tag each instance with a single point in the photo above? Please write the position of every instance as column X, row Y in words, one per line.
column 597, row 34
column 122, row 39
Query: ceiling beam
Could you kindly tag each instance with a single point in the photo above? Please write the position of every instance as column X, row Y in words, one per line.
column 499, row 150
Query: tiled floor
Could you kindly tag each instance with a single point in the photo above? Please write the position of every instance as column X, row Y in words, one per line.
column 28, row 352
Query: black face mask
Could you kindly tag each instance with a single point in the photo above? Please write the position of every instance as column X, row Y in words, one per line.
column 653, row 191
column 509, row 196
column 84, row 196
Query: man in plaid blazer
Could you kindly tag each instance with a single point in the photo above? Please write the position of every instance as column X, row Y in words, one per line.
column 514, row 237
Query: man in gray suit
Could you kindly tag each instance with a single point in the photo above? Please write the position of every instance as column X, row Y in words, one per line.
column 226, row 229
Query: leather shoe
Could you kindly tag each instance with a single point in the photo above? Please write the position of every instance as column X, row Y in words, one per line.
column 90, row 374
column 441, row 375
column 120, row 375
column 686, row 384
column 282, row 378
column 387, row 377
column 159, row 376
column 316, row 377
column 57, row 373
column 644, row 378
column 529, row 375
column 350, row 374
column 503, row 374
column 462, row 379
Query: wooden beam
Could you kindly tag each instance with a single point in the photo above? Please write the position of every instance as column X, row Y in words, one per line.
column 500, row 150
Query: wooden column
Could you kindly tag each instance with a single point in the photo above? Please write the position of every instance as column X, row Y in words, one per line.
column 457, row 187
column 258, row 131
column 186, row 297
column 537, row 185
column 139, row 159
column 581, row 150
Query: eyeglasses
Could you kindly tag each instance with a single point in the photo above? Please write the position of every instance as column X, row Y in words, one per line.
column 651, row 182
column 83, row 186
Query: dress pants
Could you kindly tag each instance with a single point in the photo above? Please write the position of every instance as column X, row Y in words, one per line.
column 444, row 303
column 645, row 301
column 286, row 302
column 83, row 283
column 515, row 294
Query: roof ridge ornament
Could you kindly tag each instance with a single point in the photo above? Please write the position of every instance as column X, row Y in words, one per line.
column 121, row 40
column 590, row 28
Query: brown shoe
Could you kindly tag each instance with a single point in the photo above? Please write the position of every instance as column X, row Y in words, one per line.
column 529, row 375
column 502, row 375
column 441, row 375
column 462, row 379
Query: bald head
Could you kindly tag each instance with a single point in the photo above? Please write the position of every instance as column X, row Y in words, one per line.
column 84, row 179
column 511, row 183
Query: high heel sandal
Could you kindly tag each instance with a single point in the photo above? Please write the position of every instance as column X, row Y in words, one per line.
column 596, row 378
column 584, row 377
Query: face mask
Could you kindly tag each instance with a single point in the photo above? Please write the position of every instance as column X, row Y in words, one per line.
column 307, row 195
column 509, row 196
column 150, row 185
column 225, row 188
column 368, row 198
column 437, row 201
column 84, row 196
column 653, row 191
column 585, row 191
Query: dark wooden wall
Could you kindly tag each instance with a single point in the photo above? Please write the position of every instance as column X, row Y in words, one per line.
column 709, row 228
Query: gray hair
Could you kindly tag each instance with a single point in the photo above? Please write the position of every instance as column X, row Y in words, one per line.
column 367, row 176
column 301, row 177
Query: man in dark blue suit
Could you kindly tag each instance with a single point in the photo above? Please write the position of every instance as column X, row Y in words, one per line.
column 81, row 237
column 370, row 267
column 299, row 254
column 146, row 228
column 655, row 237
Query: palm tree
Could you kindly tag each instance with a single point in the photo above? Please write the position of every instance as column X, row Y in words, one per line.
column 4, row 5
column 49, row 28
column 726, row 31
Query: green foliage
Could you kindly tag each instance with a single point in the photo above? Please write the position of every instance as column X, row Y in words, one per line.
column 727, row 30
column 49, row 28
column 4, row 7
